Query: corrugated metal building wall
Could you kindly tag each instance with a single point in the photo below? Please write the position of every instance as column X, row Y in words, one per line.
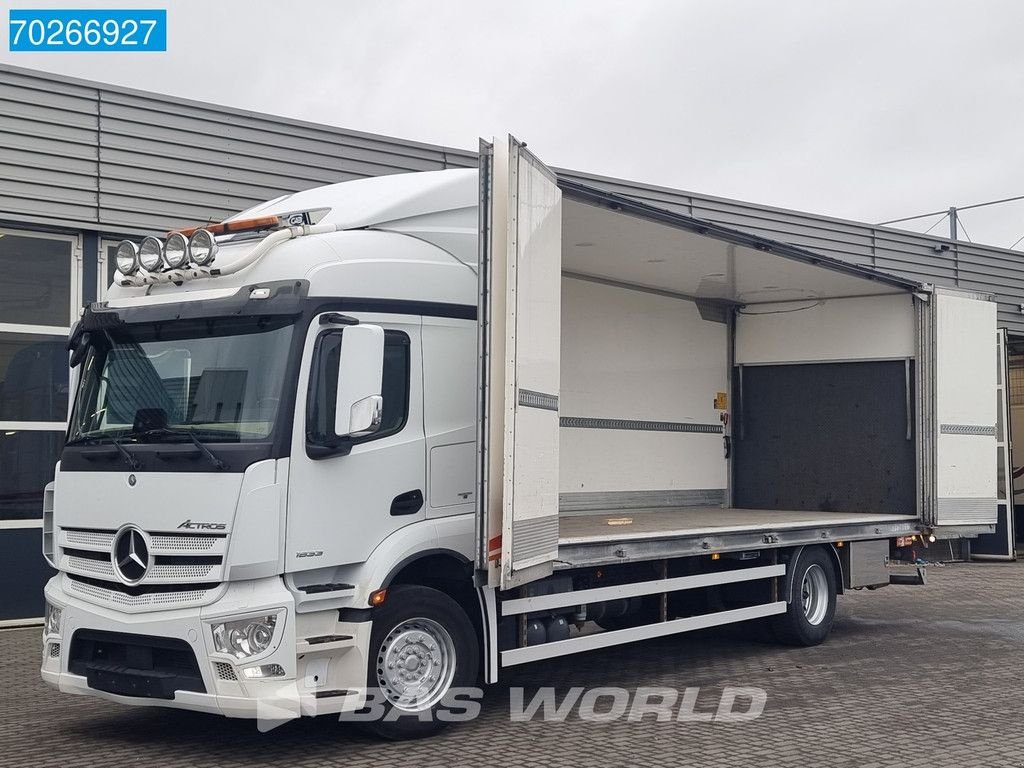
column 89, row 156
column 84, row 155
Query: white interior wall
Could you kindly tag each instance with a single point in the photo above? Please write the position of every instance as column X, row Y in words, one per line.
column 628, row 354
column 860, row 328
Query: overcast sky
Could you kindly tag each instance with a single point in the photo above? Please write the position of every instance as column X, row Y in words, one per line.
column 859, row 109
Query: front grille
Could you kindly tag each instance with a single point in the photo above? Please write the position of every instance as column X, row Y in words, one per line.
column 54, row 650
column 101, row 568
column 159, row 573
column 184, row 561
column 186, row 543
column 134, row 665
column 89, row 539
column 85, row 538
column 118, row 595
column 182, row 572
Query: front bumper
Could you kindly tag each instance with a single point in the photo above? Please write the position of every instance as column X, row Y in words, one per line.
column 316, row 683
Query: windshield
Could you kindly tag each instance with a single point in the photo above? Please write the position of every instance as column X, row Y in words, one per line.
column 220, row 378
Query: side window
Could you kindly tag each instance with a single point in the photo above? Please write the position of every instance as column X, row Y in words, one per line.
column 323, row 387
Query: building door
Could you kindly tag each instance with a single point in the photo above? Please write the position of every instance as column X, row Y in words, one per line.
column 1001, row 545
column 40, row 293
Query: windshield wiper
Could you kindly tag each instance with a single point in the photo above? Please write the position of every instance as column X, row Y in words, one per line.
column 214, row 458
column 191, row 435
column 129, row 457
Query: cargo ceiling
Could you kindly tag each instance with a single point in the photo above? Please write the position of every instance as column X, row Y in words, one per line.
column 613, row 238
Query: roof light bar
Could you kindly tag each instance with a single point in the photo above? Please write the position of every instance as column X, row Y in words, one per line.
column 202, row 249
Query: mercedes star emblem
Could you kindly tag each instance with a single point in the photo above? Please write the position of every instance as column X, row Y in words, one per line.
column 130, row 555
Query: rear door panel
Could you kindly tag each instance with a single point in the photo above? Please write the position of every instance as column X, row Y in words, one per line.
column 965, row 365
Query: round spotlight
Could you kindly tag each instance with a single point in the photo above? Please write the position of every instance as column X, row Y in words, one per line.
column 151, row 254
column 176, row 251
column 203, row 248
column 127, row 257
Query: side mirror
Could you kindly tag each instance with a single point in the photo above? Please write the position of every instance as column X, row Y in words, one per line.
column 79, row 346
column 359, row 402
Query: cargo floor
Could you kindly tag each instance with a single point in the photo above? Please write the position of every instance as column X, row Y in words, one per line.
column 638, row 524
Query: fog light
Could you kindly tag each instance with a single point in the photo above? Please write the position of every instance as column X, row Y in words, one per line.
column 264, row 670
column 246, row 637
column 176, row 251
column 151, row 253
column 127, row 257
column 52, row 620
column 202, row 248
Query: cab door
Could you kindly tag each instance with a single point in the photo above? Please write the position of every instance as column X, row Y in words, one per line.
column 342, row 506
column 519, row 320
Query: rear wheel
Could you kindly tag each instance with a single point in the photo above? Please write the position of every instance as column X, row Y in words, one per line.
column 812, row 600
column 422, row 645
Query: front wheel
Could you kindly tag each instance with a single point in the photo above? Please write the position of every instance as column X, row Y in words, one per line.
column 812, row 600
column 421, row 647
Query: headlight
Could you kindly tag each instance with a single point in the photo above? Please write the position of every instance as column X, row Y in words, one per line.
column 203, row 248
column 127, row 257
column 52, row 620
column 244, row 638
column 176, row 251
column 151, row 252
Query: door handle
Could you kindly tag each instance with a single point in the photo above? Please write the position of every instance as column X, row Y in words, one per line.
column 408, row 503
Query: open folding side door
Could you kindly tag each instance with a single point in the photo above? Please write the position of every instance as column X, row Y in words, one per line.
column 519, row 316
column 959, row 347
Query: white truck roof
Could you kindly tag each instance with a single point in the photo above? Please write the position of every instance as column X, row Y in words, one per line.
column 436, row 208
column 381, row 199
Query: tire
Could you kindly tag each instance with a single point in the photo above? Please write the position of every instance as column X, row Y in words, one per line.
column 423, row 627
column 812, row 601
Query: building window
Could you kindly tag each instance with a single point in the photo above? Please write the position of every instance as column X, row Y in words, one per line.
column 33, row 377
column 37, row 285
column 39, row 298
column 27, row 459
column 1016, row 380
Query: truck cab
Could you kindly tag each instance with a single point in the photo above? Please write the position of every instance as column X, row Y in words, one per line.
column 207, row 506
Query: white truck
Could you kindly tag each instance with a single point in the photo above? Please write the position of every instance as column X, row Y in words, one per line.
column 374, row 442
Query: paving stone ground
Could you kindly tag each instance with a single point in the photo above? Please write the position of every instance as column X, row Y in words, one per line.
column 912, row 676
